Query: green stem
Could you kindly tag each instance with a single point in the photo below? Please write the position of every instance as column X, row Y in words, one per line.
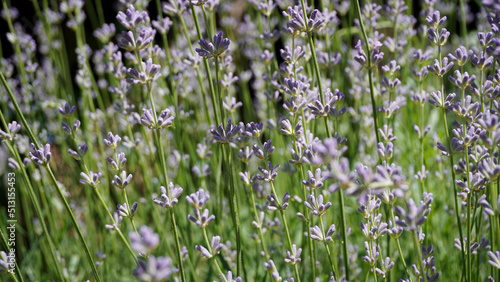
column 285, row 225
column 215, row 260
column 75, row 223
column 399, row 247
column 370, row 68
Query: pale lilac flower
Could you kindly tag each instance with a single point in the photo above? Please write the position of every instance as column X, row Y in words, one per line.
column 145, row 241
column 316, row 205
column 42, row 156
column 229, row 278
column 124, row 211
column 117, row 219
column 225, row 135
column 131, row 18
column 155, row 269
column 199, row 199
column 91, row 178
column 317, row 234
column 164, row 120
column 215, row 247
column 12, row 129
column 118, row 163
column 67, row 111
column 494, row 259
column 273, row 205
column 113, row 140
column 293, row 257
column 121, row 181
column 268, row 174
column 372, row 254
column 271, row 268
column 170, row 199
column 265, row 152
column 215, row 48
column 201, row 219
column 149, row 73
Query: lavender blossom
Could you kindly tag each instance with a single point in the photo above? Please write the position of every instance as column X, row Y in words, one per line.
column 155, row 269
column 12, row 129
column 144, row 242
column 124, row 211
column 215, row 248
column 170, row 199
column 293, row 257
column 121, row 181
column 199, row 199
column 131, row 18
column 225, row 135
column 201, row 219
column 42, row 156
column 215, row 48
column 163, row 121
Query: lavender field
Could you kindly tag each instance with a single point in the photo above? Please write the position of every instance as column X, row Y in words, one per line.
column 250, row 140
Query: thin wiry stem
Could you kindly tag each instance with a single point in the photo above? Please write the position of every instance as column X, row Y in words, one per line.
column 370, row 69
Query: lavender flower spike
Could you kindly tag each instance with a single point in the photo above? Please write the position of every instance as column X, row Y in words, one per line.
column 144, row 242
column 166, row 201
column 225, row 135
column 67, row 111
column 122, row 181
column 215, row 49
column 215, row 245
column 4, row 265
column 40, row 157
column 12, row 128
column 91, row 179
column 155, row 269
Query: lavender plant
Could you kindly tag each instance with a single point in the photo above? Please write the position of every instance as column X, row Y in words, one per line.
column 222, row 140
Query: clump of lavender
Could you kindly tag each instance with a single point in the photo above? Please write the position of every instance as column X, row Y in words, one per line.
column 149, row 119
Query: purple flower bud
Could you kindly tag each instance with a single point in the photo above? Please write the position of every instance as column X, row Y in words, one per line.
column 215, row 49
column 42, row 156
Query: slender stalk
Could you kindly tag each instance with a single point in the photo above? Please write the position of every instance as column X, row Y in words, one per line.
column 287, row 232
column 223, row 277
column 54, row 181
column 115, row 223
column 419, row 255
column 328, row 253
column 455, row 191
column 370, row 68
column 399, row 247
column 75, row 223
column 16, row 269
column 38, row 211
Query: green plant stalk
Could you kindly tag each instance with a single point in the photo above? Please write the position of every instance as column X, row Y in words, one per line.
column 399, row 247
column 463, row 23
column 370, row 69
column 66, row 205
column 16, row 269
column 114, row 222
column 233, row 202
column 285, row 225
column 328, row 253
column 165, row 172
column 205, row 62
column 38, row 210
column 307, row 223
column 215, row 260
column 219, row 93
column 75, row 223
column 457, row 210
column 256, row 215
column 17, row 49
column 419, row 256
